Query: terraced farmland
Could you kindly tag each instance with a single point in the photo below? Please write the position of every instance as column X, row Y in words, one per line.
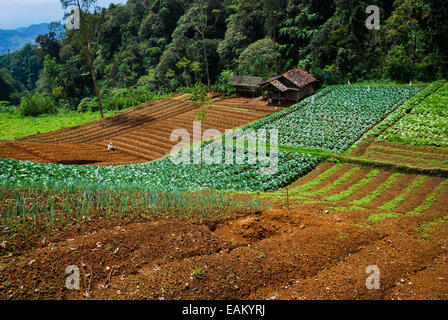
column 380, row 194
column 337, row 117
column 140, row 134
column 413, row 135
column 161, row 231
column 339, row 220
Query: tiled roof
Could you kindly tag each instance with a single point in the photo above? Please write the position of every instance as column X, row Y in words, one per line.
column 299, row 77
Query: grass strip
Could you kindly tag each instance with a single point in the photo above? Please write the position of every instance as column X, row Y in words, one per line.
column 379, row 191
column 420, row 153
column 317, row 181
column 356, row 187
column 430, row 199
column 391, row 205
column 334, row 185
column 376, row 217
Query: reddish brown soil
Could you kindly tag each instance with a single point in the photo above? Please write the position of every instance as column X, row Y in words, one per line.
column 301, row 253
column 81, row 154
column 414, row 200
column 402, row 183
column 139, row 134
column 305, row 252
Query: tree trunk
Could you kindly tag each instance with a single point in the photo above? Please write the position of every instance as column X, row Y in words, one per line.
column 275, row 51
column 206, row 62
column 95, row 85
column 90, row 58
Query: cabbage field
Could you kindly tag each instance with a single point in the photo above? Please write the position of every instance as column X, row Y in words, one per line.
column 426, row 124
column 163, row 175
column 331, row 121
column 337, row 118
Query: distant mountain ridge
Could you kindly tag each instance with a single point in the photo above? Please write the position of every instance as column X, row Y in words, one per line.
column 12, row 40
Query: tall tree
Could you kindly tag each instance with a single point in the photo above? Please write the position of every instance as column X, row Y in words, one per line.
column 203, row 22
column 85, row 36
column 273, row 11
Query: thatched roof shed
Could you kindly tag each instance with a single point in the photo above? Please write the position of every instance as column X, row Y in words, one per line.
column 245, row 84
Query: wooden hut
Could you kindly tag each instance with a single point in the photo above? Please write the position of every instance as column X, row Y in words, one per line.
column 247, row 85
column 293, row 85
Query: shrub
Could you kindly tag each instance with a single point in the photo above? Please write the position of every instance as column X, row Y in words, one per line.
column 5, row 106
column 258, row 59
column 223, row 83
column 84, row 104
column 199, row 94
column 119, row 99
column 36, row 104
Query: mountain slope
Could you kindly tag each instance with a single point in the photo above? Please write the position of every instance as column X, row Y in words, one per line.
column 15, row 39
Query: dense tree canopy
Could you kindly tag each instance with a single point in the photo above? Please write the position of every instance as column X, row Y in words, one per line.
column 158, row 43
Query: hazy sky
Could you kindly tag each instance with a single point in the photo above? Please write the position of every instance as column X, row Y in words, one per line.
column 22, row 13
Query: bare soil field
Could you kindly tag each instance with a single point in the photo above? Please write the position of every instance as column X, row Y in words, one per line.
column 316, row 246
column 140, row 134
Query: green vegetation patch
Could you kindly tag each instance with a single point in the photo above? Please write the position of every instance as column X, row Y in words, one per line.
column 379, row 191
column 427, row 228
column 397, row 114
column 336, row 118
column 426, row 124
column 166, row 174
column 356, row 187
column 391, row 205
column 376, row 217
column 13, row 125
column 26, row 212
column 430, row 199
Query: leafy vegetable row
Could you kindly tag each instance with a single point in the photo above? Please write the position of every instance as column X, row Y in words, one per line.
column 336, row 118
column 159, row 175
column 425, row 124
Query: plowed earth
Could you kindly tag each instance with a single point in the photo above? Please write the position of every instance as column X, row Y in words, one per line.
column 140, row 134
column 307, row 248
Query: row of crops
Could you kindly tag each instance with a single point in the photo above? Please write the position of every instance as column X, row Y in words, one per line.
column 161, row 175
column 426, row 124
column 331, row 121
column 399, row 113
column 336, row 118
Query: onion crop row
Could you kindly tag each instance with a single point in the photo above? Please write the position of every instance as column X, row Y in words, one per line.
column 27, row 210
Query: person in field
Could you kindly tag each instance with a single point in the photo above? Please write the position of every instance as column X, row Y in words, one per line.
column 110, row 147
